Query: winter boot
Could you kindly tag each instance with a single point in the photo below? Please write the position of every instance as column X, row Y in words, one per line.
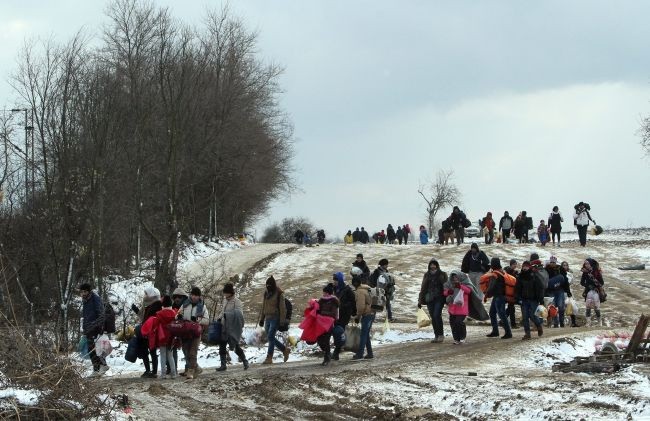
column 540, row 330
column 326, row 359
column 573, row 321
column 245, row 362
column 286, row 352
column 268, row 360
column 223, row 363
column 189, row 374
column 335, row 355
column 493, row 335
column 526, row 337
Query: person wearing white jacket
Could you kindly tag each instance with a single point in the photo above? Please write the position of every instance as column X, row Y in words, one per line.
column 581, row 219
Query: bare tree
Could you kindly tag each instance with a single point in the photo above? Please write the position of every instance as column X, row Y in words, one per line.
column 440, row 194
column 644, row 132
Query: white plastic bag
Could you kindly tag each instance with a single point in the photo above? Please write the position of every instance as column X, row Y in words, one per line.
column 541, row 312
column 422, row 318
column 459, row 298
column 103, row 347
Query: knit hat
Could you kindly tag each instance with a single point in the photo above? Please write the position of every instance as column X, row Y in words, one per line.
column 178, row 292
column 383, row 262
column 553, row 259
column 329, row 288
column 195, row 291
column 534, row 256
column 229, row 289
column 360, row 255
column 495, row 263
column 513, row 262
column 474, row 246
column 151, row 295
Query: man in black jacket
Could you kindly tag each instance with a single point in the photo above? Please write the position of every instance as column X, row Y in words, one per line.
column 458, row 221
column 530, row 290
column 382, row 269
column 347, row 309
column 497, row 290
column 475, row 263
column 93, row 325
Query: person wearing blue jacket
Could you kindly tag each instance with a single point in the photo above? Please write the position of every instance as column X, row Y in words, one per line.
column 93, row 325
column 424, row 237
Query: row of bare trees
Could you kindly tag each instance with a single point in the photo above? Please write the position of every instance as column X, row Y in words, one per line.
column 151, row 131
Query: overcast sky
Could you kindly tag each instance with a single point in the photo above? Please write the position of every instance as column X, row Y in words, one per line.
column 532, row 104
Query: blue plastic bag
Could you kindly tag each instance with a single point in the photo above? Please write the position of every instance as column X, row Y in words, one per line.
column 214, row 332
column 82, row 347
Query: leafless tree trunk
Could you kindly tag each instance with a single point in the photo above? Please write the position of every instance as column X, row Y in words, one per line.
column 438, row 195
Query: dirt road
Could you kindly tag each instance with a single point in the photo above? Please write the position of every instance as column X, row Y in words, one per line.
column 483, row 379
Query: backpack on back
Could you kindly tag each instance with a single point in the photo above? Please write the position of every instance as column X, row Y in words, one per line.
column 288, row 313
column 109, row 318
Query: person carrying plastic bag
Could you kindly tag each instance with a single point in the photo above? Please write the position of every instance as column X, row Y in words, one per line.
column 530, row 291
column 458, row 308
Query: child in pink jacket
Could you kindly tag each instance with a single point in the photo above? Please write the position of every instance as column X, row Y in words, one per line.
column 457, row 311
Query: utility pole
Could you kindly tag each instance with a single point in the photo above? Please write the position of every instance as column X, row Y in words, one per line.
column 28, row 129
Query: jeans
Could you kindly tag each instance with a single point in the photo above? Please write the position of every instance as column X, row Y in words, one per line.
column 364, row 339
column 528, row 308
column 558, row 300
column 505, row 234
column 458, row 328
column 498, row 307
column 389, row 310
column 511, row 313
column 271, row 327
column 582, row 234
column 167, row 357
column 339, row 336
column 435, row 311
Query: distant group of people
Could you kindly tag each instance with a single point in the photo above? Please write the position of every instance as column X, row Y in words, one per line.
column 301, row 237
column 388, row 236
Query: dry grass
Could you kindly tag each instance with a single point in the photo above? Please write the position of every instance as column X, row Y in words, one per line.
column 30, row 361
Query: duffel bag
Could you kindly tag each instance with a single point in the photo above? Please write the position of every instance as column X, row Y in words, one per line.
column 185, row 329
column 214, row 332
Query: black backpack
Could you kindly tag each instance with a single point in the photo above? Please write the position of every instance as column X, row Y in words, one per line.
column 109, row 318
column 289, row 312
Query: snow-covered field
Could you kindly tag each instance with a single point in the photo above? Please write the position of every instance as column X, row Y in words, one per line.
column 409, row 378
